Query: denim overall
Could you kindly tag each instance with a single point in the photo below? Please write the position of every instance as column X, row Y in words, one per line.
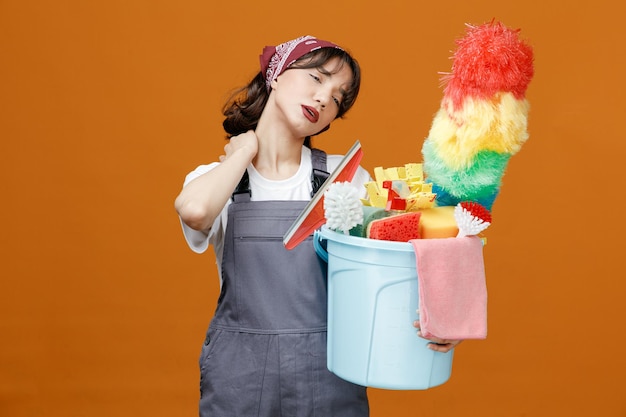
column 265, row 350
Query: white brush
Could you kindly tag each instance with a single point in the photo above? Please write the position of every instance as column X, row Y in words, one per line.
column 342, row 207
column 471, row 218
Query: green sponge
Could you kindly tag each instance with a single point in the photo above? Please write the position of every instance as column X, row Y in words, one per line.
column 370, row 213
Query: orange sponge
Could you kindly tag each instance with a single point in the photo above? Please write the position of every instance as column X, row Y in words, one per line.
column 399, row 227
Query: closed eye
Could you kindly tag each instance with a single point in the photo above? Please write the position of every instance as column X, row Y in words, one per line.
column 342, row 94
column 319, row 80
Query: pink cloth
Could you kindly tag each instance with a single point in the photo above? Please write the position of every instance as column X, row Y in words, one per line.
column 452, row 287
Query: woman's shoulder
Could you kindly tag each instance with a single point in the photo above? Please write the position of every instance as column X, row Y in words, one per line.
column 332, row 161
column 199, row 170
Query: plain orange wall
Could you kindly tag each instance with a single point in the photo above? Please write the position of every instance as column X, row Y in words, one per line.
column 106, row 105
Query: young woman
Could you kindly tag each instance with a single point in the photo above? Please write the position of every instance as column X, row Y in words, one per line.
column 265, row 349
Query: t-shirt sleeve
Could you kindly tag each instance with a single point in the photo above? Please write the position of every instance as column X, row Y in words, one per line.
column 198, row 241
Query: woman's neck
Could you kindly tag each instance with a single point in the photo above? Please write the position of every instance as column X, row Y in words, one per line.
column 279, row 153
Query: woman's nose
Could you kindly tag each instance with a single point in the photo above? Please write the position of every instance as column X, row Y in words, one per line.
column 322, row 99
column 323, row 96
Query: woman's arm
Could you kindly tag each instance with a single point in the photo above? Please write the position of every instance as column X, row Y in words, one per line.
column 202, row 199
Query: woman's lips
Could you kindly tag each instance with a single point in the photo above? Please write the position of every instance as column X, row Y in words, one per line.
column 311, row 114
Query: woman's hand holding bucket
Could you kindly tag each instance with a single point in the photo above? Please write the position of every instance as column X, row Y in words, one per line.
column 436, row 344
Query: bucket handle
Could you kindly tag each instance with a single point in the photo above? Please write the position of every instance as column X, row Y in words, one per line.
column 317, row 244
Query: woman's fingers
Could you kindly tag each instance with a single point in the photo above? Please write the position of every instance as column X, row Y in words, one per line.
column 443, row 347
column 437, row 344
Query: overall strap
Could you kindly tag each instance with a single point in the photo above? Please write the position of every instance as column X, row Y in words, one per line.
column 320, row 170
column 318, row 176
column 242, row 191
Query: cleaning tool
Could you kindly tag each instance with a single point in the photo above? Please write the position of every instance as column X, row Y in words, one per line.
column 400, row 227
column 452, row 288
column 342, row 207
column 312, row 217
column 482, row 120
column 471, row 218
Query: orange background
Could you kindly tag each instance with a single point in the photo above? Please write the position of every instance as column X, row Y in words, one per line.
column 106, row 105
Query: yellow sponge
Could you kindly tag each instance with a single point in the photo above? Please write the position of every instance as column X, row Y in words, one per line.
column 438, row 222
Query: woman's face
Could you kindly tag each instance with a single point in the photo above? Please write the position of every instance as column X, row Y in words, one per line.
column 309, row 98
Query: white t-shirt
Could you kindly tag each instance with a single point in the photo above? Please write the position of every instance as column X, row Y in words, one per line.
column 298, row 187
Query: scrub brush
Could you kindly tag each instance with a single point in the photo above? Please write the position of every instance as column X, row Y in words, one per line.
column 342, row 207
column 471, row 218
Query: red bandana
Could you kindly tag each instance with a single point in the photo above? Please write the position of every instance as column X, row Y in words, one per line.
column 276, row 59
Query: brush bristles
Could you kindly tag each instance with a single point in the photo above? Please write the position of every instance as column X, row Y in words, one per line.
column 343, row 209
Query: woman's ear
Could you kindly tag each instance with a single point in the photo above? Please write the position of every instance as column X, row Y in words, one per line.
column 274, row 83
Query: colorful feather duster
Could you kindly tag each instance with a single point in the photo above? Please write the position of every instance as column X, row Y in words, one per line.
column 482, row 120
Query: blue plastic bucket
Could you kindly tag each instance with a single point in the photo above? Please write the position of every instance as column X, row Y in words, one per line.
column 372, row 304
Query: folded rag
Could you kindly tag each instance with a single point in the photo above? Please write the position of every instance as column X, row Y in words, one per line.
column 452, row 287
